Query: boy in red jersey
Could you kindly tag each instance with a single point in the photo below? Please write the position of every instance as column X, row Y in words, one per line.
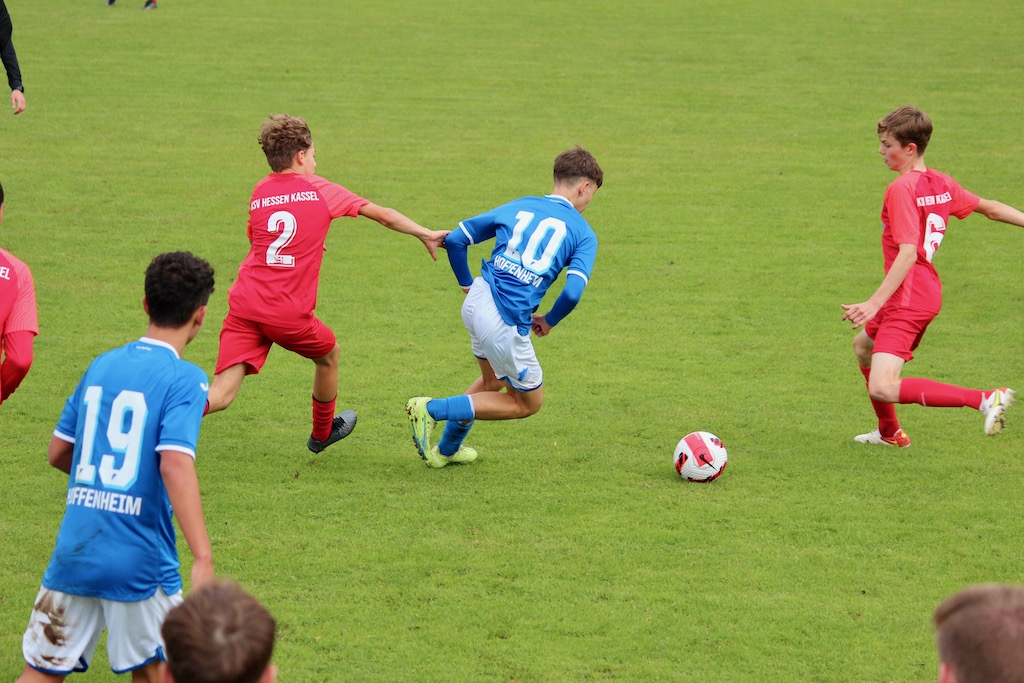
column 274, row 297
column 19, row 323
column 915, row 212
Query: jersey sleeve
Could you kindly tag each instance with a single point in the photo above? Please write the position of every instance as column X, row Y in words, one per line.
column 583, row 257
column 567, row 299
column 67, row 424
column 340, row 202
column 483, row 227
column 8, row 290
column 7, row 54
column 964, row 201
column 24, row 317
column 457, row 246
column 183, row 412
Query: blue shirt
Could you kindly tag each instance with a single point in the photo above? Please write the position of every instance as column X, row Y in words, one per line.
column 535, row 239
column 116, row 540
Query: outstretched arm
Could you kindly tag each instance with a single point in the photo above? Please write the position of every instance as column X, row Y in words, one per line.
column 179, row 474
column 998, row 211
column 389, row 218
column 860, row 314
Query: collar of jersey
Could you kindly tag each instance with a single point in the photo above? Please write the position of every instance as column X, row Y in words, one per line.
column 558, row 196
column 157, row 342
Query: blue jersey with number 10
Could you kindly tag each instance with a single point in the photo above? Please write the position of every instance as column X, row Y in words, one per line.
column 117, row 541
column 536, row 238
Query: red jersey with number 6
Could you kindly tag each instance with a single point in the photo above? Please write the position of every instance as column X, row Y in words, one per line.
column 289, row 217
column 916, row 210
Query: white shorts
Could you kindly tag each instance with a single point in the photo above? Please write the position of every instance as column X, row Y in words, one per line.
column 510, row 354
column 64, row 630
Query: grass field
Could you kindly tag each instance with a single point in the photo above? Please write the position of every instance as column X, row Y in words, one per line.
column 740, row 208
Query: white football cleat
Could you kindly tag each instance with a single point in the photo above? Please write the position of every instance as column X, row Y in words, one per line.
column 994, row 406
column 900, row 439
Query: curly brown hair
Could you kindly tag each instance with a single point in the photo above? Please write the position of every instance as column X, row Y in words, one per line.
column 282, row 137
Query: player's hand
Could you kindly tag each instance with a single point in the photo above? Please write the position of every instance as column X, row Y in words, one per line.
column 859, row 314
column 435, row 241
column 540, row 325
column 17, row 101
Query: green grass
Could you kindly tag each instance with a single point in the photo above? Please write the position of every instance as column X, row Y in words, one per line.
column 740, row 209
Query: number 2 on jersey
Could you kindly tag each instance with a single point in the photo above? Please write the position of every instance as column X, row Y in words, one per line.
column 127, row 442
column 285, row 223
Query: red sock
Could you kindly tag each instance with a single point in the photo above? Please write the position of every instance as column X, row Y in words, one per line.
column 928, row 392
column 888, row 425
column 206, row 409
column 323, row 415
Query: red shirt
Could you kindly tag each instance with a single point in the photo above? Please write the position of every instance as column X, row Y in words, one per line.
column 916, row 210
column 289, row 216
column 17, row 296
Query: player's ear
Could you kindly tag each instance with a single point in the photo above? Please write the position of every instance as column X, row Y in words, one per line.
column 165, row 673
column 145, row 305
column 269, row 674
column 199, row 316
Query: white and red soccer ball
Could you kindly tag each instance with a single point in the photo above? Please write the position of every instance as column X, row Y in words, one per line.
column 700, row 456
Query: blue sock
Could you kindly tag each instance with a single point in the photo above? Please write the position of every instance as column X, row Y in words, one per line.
column 454, row 433
column 453, row 408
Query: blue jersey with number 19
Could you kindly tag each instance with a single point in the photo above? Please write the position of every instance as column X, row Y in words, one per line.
column 116, row 540
column 536, row 238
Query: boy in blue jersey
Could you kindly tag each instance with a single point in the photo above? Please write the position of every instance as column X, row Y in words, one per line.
column 535, row 239
column 127, row 438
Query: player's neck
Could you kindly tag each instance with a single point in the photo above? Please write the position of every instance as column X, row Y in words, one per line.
column 916, row 164
column 176, row 337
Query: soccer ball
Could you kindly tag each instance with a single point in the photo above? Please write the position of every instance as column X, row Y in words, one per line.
column 700, row 456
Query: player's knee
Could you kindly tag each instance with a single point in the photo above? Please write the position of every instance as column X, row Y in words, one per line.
column 331, row 359
column 862, row 348
column 886, row 392
column 528, row 408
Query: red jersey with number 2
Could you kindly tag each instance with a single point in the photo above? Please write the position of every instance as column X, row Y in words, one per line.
column 289, row 217
column 916, row 210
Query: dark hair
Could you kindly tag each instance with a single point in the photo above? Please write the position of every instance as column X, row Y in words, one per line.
column 907, row 124
column 1, row 194
column 576, row 163
column 177, row 283
column 219, row 634
column 282, row 137
column 980, row 634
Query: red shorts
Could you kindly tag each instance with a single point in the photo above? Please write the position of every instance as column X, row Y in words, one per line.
column 249, row 342
column 898, row 331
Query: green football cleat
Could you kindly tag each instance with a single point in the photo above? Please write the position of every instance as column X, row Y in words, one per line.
column 463, row 455
column 422, row 425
